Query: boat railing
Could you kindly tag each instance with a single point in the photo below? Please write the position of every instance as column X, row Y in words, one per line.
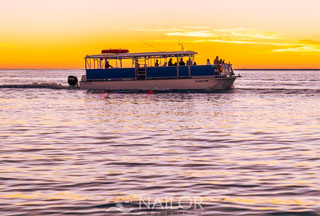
column 145, row 71
column 223, row 69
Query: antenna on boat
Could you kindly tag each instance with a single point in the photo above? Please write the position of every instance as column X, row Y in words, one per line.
column 151, row 46
column 182, row 49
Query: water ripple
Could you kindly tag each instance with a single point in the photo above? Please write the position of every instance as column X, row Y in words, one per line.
column 251, row 151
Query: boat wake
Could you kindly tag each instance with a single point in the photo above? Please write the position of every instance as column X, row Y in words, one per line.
column 261, row 90
column 38, row 85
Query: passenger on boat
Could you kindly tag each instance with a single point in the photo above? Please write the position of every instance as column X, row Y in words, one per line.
column 189, row 62
column 170, row 62
column 157, row 63
column 194, row 63
column 181, row 62
column 107, row 65
column 231, row 70
column 208, row 62
column 221, row 62
column 137, row 64
column 216, row 60
column 165, row 64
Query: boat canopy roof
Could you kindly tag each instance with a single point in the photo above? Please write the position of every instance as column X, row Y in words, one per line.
column 144, row 55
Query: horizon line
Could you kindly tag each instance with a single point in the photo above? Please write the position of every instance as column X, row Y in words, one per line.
column 234, row 69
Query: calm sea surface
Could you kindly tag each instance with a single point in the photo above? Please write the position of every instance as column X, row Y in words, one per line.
column 254, row 150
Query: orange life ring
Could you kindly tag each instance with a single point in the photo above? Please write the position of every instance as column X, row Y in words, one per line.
column 220, row 68
column 115, row 51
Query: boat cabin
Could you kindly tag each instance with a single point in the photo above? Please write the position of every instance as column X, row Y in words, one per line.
column 122, row 65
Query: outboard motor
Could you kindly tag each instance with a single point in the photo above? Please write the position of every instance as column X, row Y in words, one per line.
column 73, row 81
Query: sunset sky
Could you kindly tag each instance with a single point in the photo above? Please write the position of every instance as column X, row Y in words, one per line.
column 249, row 33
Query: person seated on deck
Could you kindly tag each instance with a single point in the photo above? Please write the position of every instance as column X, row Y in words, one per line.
column 157, row 63
column 107, row 65
column 181, row 62
column 189, row 62
column 170, row 62
column 194, row 63
column 221, row 62
column 208, row 62
column 216, row 60
column 165, row 64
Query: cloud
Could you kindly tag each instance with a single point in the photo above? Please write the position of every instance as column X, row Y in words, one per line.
column 248, row 42
column 233, row 41
column 310, row 42
column 204, row 31
column 191, row 34
column 249, row 33
column 235, row 33
column 203, row 34
column 302, row 49
column 288, row 47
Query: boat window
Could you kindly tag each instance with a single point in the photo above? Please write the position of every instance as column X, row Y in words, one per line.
column 108, row 61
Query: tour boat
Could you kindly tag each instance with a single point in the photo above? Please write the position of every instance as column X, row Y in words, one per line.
column 120, row 70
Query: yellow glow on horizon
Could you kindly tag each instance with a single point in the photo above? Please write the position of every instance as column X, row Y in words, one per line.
column 248, row 33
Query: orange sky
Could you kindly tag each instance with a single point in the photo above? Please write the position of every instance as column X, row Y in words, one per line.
column 249, row 33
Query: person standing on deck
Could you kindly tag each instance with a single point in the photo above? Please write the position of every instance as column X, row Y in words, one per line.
column 157, row 63
column 189, row 62
column 170, row 62
column 216, row 60
column 137, row 64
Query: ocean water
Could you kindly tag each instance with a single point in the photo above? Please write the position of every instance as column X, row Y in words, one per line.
column 253, row 150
